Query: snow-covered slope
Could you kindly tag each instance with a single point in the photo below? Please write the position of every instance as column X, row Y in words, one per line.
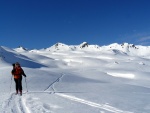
column 80, row 78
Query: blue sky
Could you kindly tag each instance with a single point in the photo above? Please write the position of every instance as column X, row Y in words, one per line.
column 42, row 23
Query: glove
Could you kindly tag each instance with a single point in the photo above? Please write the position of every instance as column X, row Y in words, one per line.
column 24, row 75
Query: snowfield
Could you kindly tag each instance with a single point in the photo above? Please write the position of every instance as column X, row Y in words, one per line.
column 77, row 79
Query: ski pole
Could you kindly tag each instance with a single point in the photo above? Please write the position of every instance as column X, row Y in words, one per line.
column 26, row 84
column 10, row 84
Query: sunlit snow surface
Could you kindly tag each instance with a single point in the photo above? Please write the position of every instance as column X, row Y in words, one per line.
column 93, row 79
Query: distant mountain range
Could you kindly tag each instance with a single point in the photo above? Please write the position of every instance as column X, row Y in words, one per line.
column 129, row 49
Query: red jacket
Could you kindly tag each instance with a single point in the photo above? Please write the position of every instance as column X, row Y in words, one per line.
column 18, row 72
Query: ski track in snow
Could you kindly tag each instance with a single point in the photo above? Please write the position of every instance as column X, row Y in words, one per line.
column 28, row 104
column 92, row 104
column 33, row 105
column 89, row 103
column 17, row 104
column 13, row 105
column 24, row 104
column 51, row 86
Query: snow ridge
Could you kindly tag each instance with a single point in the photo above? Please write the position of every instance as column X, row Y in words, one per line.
column 130, row 49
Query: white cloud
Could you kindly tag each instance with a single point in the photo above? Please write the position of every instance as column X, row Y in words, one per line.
column 139, row 38
column 144, row 38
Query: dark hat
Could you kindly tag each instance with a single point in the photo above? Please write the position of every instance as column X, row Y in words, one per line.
column 17, row 63
column 13, row 64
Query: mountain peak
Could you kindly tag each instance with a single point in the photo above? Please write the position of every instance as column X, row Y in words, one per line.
column 84, row 44
column 20, row 48
column 59, row 44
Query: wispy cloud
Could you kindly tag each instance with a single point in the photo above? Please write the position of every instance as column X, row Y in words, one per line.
column 144, row 39
column 137, row 38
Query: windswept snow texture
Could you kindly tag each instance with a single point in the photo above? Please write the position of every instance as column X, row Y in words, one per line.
column 77, row 79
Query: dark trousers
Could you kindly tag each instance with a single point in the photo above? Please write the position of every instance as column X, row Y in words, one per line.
column 18, row 84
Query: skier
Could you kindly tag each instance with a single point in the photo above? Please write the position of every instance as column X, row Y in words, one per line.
column 17, row 72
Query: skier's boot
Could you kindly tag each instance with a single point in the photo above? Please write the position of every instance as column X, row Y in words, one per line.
column 20, row 92
column 16, row 92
